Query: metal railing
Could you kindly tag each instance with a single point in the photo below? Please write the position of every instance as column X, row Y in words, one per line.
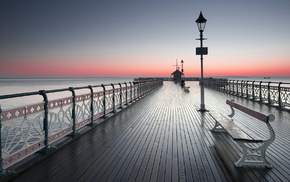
column 271, row 93
column 33, row 128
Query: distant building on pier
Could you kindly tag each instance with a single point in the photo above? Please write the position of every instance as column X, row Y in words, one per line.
column 177, row 76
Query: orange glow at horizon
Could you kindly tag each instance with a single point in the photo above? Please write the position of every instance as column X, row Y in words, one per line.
column 130, row 67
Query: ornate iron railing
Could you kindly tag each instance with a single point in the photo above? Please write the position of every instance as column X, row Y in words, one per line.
column 32, row 128
column 271, row 93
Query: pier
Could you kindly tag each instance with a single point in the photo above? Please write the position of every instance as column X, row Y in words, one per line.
column 162, row 137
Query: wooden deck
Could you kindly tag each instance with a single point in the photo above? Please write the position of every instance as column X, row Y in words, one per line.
column 163, row 137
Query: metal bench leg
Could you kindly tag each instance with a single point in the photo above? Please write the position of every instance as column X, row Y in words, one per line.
column 250, row 158
column 217, row 127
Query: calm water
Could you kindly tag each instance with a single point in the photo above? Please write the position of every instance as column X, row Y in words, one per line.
column 14, row 86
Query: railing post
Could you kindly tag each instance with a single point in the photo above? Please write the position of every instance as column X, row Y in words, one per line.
column 131, row 92
column 126, row 93
column 104, row 100
column 231, row 88
column 237, row 89
column 136, row 90
column 247, row 89
column 121, row 96
column 242, row 88
column 216, row 83
column 253, row 90
column 45, row 120
column 144, row 88
column 260, row 87
column 141, row 89
column 92, row 105
column 226, row 85
column 279, row 95
column 114, row 107
column 73, row 110
column 269, row 95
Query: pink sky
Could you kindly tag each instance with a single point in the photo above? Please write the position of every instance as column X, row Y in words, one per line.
column 131, row 67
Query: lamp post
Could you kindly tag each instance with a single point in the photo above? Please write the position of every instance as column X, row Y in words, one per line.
column 182, row 65
column 201, row 21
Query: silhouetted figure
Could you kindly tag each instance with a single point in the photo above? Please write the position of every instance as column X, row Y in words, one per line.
column 182, row 83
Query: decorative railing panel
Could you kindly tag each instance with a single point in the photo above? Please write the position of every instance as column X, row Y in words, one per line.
column 264, row 89
column 124, row 95
column 118, row 97
column 22, row 131
column 272, row 93
column 249, row 90
column 243, row 89
column 26, row 130
column 59, row 121
column 284, row 96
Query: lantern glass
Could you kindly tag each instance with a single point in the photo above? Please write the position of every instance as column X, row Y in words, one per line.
column 201, row 21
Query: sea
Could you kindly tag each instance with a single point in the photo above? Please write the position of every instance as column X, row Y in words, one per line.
column 22, row 85
column 9, row 86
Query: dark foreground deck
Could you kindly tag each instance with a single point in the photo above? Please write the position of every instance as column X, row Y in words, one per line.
column 163, row 137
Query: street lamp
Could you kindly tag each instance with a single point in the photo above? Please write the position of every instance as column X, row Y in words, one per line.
column 182, row 65
column 201, row 21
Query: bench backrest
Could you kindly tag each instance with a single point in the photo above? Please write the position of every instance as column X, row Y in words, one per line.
column 250, row 112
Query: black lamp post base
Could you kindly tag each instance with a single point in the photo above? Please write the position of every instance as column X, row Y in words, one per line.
column 202, row 108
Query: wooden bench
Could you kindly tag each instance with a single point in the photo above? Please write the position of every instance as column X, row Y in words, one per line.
column 252, row 154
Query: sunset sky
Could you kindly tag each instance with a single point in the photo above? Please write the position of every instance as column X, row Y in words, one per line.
column 143, row 38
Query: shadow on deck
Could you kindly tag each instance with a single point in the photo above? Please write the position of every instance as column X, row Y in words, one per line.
column 163, row 137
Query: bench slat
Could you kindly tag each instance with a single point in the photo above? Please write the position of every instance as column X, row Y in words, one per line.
column 234, row 131
column 250, row 112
